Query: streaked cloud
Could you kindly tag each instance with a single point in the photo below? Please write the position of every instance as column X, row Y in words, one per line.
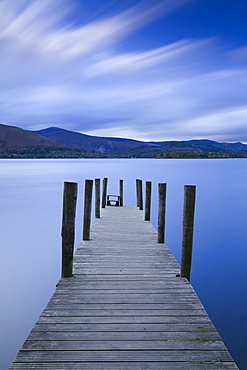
column 136, row 61
column 88, row 77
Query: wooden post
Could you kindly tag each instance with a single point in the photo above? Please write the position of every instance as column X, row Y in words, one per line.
column 104, row 193
column 97, row 198
column 68, row 227
column 87, row 209
column 140, row 202
column 188, row 228
column 148, row 200
column 121, row 192
column 161, row 213
column 137, row 192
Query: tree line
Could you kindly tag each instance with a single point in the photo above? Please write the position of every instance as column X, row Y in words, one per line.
column 54, row 152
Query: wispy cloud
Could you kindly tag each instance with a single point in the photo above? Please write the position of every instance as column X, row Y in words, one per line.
column 135, row 61
column 83, row 78
column 231, row 121
column 38, row 24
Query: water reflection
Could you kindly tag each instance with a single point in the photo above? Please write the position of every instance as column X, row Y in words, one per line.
column 30, row 219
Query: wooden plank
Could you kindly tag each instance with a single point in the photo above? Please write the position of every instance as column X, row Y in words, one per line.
column 103, row 277
column 131, row 355
column 119, row 298
column 123, row 366
column 124, row 319
column 128, row 299
column 67, row 311
column 168, row 292
column 196, row 343
column 173, row 327
column 131, row 259
column 118, row 270
column 119, row 285
column 172, row 307
column 122, row 336
column 147, row 248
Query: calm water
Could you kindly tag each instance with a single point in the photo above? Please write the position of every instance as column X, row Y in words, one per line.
column 30, row 225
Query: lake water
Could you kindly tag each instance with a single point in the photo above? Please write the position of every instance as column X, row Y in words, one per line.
column 30, row 227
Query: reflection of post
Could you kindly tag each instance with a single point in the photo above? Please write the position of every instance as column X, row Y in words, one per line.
column 148, row 200
column 162, row 213
column 68, row 227
column 104, row 192
column 97, row 198
column 137, row 192
column 87, row 209
column 188, row 228
column 140, row 195
column 121, row 192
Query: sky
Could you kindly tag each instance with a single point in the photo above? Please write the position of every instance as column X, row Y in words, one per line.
column 141, row 69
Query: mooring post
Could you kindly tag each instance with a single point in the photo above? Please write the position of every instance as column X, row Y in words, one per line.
column 137, row 192
column 188, row 229
column 140, row 202
column 97, row 198
column 161, row 212
column 87, row 209
column 148, row 200
column 68, row 227
column 121, row 192
column 104, row 192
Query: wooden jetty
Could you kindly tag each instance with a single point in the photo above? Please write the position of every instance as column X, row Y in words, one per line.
column 124, row 308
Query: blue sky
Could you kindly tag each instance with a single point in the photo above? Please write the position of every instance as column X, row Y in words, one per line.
column 149, row 70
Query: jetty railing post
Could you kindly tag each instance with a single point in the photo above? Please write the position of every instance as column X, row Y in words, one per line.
column 148, row 200
column 87, row 209
column 140, row 202
column 161, row 212
column 137, row 192
column 104, row 192
column 68, row 227
column 188, row 229
column 97, row 198
column 121, row 192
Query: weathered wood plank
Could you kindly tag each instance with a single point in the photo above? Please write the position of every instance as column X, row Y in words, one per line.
column 197, row 343
column 168, row 292
column 124, row 319
column 130, row 285
column 123, row 366
column 132, row 261
column 133, row 249
column 131, row 355
column 67, row 311
column 125, row 306
column 117, row 277
column 131, row 298
column 118, row 270
column 122, row 336
column 196, row 328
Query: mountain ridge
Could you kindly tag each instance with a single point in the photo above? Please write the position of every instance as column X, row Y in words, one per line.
column 55, row 142
column 117, row 145
column 13, row 137
column 77, row 140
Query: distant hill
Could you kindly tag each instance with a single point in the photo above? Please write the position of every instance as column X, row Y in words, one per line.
column 118, row 145
column 88, row 142
column 228, row 146
column 183, row 149
column 12, row 137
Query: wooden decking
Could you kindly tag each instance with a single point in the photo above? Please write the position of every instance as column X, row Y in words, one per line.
column 124, row 308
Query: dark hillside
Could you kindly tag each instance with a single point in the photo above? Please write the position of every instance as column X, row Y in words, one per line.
column 227, row 146
column 88, row 142
column 14, row 137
